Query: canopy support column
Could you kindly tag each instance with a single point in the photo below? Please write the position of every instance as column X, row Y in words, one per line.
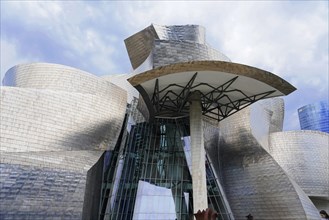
column 198, row 154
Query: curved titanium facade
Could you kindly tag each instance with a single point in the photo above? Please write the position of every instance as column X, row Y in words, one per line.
column 76, row 146
column 304, row 156
column 157, row 46
column 56, row 122
column 255, row 181
column 314, row 117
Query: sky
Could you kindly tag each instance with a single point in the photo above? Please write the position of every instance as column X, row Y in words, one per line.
column 287, row 38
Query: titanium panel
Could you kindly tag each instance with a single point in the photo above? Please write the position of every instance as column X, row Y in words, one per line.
column 191, row 38
column 58, row 78
column 253, row 180
column 31, row 192
column 56, row 122
column 46, row 120
column 304, row 156
column 170, row 52
column 191, row 33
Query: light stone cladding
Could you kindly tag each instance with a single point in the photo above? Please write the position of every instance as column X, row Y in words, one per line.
column 253, row 180
column 56, row 122
column 198, row 156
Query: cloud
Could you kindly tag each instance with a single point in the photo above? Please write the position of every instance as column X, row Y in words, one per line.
column 9, row 57
column 61, row 32
column 288, row 38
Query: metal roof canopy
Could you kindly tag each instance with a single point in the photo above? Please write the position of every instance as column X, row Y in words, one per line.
column 225, row 88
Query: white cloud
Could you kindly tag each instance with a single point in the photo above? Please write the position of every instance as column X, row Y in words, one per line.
column 71, row 26
column 288, row 38
column 9, row 57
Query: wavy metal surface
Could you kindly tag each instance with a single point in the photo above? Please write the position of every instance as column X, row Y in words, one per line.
column 254, row 181
column 56, row 122
column 304, row 156
column 170, row 44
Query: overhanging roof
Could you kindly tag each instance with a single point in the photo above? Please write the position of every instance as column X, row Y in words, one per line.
column 225, row 87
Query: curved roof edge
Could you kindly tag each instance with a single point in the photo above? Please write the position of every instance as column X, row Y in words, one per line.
column 220, row 66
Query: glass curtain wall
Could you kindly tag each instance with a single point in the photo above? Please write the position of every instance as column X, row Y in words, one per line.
column 148, row 177
column 314, row 117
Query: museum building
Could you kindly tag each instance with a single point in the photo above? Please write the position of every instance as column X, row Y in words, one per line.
column 186, row 130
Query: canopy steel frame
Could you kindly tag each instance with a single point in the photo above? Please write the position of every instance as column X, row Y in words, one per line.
column 217, row 103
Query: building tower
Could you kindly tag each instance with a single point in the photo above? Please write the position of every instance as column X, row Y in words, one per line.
column 314, row 117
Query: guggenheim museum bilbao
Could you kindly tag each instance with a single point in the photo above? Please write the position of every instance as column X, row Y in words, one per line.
column 186, row 130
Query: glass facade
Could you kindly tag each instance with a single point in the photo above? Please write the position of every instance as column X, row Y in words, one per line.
column 148, row 175
column 314, row 117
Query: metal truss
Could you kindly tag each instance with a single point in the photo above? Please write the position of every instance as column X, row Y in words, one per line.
column 218, row 103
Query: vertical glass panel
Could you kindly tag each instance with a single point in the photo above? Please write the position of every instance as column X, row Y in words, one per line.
column 154, row 202
column 314, row 117
column 151, row 178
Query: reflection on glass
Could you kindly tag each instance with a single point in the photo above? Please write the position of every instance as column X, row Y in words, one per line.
column 154, row 202
column 314, row 116
column 151, row 176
